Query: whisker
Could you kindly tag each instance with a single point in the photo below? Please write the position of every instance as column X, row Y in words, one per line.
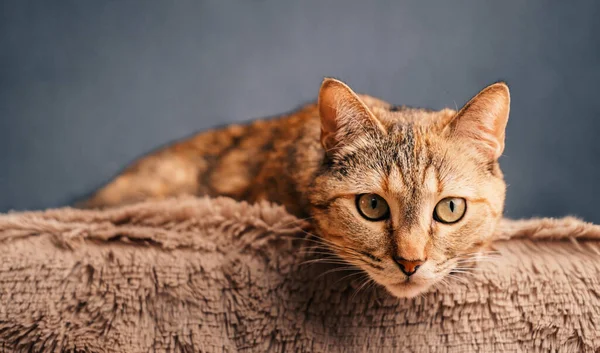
column 476, row 260
column 358, row 272
column 324, row 258
column 460, row 274
column 463, row 272
column 444, row 282
column 325, row 261
column 361, row 287
column 456, row 278
column 372, row 285
column 469, row 269
column 317, row 252
column 486, row 257
column 318, row 243
column 338, row 269
column 323, row 241
column 296, row 221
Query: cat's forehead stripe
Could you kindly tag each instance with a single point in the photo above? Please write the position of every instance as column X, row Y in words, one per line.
column 394, row 182
column 430, row 179
column 411, row 158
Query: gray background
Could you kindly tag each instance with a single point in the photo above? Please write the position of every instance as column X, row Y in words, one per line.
column 85, row 87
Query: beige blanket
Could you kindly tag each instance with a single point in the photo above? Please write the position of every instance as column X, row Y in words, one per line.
column 206, row 275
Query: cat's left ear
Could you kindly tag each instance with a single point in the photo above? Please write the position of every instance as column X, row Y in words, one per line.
column 482, row 121
column 344, row 116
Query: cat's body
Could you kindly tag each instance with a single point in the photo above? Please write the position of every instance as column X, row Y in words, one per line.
column 405, row 194
column 270, row 159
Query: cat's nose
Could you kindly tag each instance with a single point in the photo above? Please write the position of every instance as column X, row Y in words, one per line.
column 408, row 267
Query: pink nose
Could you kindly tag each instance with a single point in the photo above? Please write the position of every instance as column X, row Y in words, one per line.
column 408, row 267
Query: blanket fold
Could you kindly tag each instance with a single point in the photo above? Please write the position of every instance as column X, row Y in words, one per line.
column 216, row 275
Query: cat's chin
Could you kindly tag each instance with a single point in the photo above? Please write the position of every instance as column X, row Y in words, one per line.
column 407, row 289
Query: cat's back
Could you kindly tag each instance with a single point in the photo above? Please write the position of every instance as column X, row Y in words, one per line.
column 221, row 161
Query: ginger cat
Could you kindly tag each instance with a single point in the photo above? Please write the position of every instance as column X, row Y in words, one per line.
column 404, row 194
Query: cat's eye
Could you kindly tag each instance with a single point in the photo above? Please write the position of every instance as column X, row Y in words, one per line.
column 450, row 210
column 372, row 207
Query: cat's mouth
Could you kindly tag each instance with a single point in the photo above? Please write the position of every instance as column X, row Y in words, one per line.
column 400, row 285
column 407, row 288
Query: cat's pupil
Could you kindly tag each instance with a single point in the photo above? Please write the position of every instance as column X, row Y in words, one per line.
column 373, row 203
column 451, row 206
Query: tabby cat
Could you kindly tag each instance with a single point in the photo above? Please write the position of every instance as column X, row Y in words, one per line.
column 402, row 193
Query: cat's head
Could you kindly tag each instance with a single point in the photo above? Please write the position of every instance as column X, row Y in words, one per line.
column 409, row 195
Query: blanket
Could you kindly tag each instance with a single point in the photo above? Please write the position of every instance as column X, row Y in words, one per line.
column 216, row 275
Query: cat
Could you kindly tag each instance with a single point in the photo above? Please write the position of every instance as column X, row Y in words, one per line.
column 404, row 194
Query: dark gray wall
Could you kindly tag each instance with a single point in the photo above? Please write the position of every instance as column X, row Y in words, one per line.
column 85, row 87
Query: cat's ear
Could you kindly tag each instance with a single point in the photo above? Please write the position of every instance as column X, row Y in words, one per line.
column 344, row 116
column 482, row 121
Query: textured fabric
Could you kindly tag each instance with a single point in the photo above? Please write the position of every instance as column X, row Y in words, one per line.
column 215, row 275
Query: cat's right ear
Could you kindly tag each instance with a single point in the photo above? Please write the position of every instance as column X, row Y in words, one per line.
column 482, row 121
column 344, row 117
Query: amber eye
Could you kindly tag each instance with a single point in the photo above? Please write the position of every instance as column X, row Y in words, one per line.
column 372, row 206
column 450, row 210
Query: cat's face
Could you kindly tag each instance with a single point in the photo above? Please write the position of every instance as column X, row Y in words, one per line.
column 409, row 195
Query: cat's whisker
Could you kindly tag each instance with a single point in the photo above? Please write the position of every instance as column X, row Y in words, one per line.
column 476, row 260
column 338, row 269
column 486, row 256
column 321, row 240
column 323, row 259
column 372, row 285
column 319, row 252
column 334, row 255
column 367, row 280
column 458, row 279
column 495, row 252
column 463, row 272
column 459, row 267
column 480, row 256
column 470, row 270
column 439, row 285
column 461, row 278
column 483, row 254
column 321, row 245
column 330, row 259
column 444, row 282
column 333, row 258
column 318, row 247
column 349, row 252
column 358, row 272
column 297, row 220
